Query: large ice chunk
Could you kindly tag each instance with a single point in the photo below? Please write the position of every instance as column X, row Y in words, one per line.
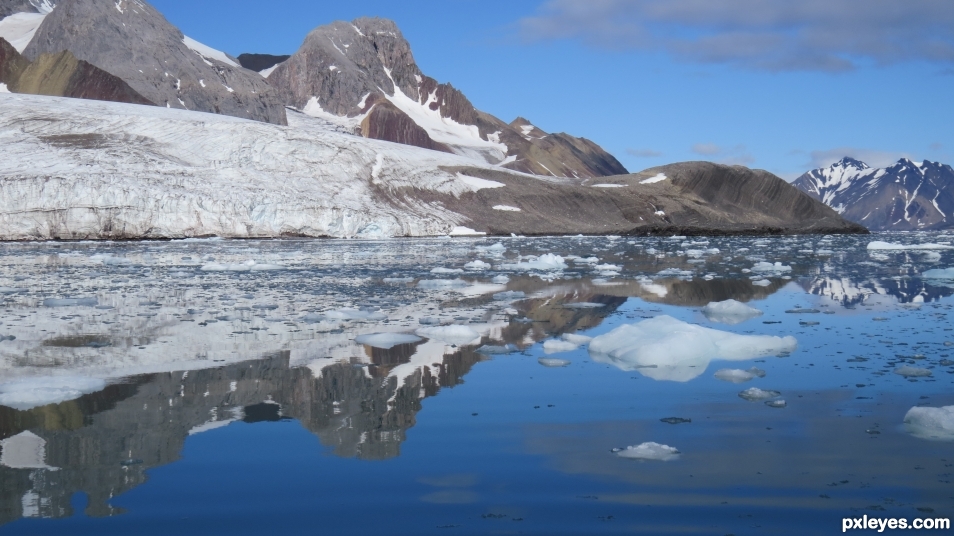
column 664, row 348
column 730, row 312
column 891, row 246
column 25, row 450
column 931, row 423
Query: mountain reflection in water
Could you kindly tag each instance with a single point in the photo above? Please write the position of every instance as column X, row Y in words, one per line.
column 184, row 352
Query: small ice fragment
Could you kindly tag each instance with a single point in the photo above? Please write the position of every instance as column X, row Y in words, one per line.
column 429, row 321
column 355, row 314
column 442, row 270
column 554, row 346
column 776, row 403
column 397, row 280
column 753, row 394
column 500, row 280
column 912, row 372
column 386, row 341
column 477, row 265
column 454, row 334
column 553, row 363
column 650, row 451
column 729, row 312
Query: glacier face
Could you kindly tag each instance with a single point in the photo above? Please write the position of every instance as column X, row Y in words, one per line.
column 75, row 169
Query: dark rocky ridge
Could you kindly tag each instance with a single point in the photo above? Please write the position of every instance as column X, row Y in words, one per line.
column 260, row 62
column 62, row 75
column 903, row 197
column 697, row 198
column 346, row 66
column 134, row 42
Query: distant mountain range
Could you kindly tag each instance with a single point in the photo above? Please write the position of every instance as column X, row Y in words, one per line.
column 906, row 196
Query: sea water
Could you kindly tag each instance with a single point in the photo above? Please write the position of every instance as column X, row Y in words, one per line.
column 574, row 385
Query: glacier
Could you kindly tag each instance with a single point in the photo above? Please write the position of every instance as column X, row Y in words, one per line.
column 77, row 169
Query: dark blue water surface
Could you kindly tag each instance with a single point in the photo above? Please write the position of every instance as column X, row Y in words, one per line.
column 214, row 387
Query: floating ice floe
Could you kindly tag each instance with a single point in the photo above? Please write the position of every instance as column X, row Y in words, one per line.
column 546, row 262
column 664, row 348
column 354, row 314
column 386, row 341
column 556, row 346
column 931, row 423
column 489, row 349
column 442, row 270
column 650, row 451
column 891, row 246
column 553, row 363
column 766, row 267
column 29, row 393
column 730, row 312
column 576, row 339
column 739, row 375
column 753, row 394
column 500, row 280
column 455, row 334
column 913, row 372
column 248, row 266
column 477, row 265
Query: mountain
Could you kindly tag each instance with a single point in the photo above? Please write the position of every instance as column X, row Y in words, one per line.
column 113, row 170
column 62, row 75
column 131, row 40
column 362, row 75
column 904, row 197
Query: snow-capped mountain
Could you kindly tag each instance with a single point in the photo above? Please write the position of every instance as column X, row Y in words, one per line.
column 362, row 74
column 133, row 41
column 904, row 197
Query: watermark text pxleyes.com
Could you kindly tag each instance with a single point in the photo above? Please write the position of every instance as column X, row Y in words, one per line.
column 882, row 524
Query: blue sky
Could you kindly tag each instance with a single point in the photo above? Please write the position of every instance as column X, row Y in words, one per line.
column 770, row 84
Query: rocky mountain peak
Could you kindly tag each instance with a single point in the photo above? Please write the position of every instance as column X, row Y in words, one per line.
column 132, row 40
column 10, row 7
column 903, row 196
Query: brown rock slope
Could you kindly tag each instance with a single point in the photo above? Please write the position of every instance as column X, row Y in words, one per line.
column 692, row 198
column 62, row 75
column 351, row 69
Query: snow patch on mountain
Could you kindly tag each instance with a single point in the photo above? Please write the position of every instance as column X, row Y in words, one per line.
column 18, row 29
column 208, row 52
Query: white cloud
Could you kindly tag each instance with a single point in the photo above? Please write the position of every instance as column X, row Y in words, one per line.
column 874, row 158
column 772, row 35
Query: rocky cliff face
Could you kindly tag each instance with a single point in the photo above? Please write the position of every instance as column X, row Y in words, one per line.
column 12, row 7
column 62, row 75
column 904, row 197
column 345, row 72
column 133, row 41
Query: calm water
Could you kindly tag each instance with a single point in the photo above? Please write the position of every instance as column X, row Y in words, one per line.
column 212, row 386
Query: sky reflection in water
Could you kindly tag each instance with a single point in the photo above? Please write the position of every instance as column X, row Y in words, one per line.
column 173, row 398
